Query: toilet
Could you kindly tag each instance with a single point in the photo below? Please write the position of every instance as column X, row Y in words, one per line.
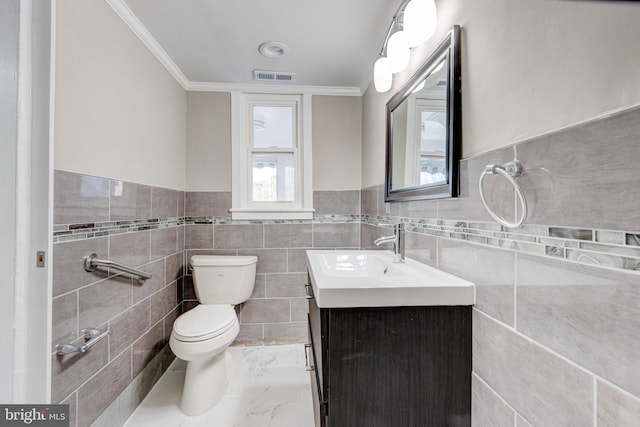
column 202, row 335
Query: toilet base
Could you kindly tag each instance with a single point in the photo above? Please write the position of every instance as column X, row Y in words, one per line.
column 205, row 383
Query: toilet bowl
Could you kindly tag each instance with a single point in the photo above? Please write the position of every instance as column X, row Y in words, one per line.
column 202, row 335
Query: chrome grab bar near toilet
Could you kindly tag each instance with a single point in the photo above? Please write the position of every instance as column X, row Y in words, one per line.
column 92, row 336
column 91, row 262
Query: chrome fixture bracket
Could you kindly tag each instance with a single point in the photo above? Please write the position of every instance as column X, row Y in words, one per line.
column 514, row 168
column 396, row 23
column 511, row 171
column 92, row 335
column 91, row 262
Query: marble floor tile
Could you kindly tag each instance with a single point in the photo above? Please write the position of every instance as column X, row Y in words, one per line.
column 274, row 402
column 269, row 387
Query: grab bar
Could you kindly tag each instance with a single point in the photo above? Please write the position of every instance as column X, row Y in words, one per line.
column 92, row 335
column 92, row 261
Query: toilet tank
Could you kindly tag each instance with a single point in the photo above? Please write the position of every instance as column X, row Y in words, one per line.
column 219, row 279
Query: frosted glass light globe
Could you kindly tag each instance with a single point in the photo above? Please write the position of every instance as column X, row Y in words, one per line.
column 419, row 22
column 382, row 76
column 398, row 51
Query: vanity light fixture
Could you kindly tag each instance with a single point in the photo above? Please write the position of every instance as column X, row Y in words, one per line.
column 413, row 24
column 398, row 51
column 382, row 76
column 420, row 21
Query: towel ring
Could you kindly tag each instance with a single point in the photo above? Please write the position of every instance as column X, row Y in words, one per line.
column 510, row 171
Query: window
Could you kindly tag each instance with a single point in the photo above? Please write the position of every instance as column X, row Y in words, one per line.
column 271, row 147
column 426, row 157
column 433, row 135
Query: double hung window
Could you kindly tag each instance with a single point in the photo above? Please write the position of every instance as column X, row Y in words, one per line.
column 271, row 158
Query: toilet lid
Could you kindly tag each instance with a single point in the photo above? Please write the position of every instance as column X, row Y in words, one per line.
column 222, row 260
column 204, row 322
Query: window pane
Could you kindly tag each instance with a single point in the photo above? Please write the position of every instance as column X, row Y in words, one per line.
column 273, row 177
column 273, row 126
column 433, row 135
column 433, row 170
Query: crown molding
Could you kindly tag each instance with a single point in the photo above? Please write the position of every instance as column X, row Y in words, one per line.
column 123, row 11
column 273, row 88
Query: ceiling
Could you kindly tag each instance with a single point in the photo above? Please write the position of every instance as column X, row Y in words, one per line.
column 214, row 43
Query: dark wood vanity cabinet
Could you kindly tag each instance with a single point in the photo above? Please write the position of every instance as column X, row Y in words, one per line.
column 391, row 366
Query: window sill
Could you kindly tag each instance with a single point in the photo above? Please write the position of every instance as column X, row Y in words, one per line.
column 266, row 214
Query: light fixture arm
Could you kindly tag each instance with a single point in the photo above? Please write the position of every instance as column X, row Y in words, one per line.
column 395, row 22
column 412, row 24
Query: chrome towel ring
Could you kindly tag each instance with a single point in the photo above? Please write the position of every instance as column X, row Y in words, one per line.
column 511, row 171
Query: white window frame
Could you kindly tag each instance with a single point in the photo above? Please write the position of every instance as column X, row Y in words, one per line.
column 243, row 206
column 413, row 153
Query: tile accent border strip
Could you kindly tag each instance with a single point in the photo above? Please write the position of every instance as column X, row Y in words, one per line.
column 66, row 232
column 317, row 219
column 618, row 250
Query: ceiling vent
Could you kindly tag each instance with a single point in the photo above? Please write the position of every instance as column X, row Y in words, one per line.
column 273, row 76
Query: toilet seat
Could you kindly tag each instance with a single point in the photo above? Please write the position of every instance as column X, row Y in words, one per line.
column 204, row 322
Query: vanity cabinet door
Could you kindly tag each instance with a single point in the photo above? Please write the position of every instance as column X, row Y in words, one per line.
column 399, row 366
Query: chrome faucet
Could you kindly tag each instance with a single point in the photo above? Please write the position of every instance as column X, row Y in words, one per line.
column 397, row 239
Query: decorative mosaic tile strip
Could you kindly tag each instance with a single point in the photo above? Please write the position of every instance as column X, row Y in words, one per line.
column 605, row 248
column 66, row 232
column 318, row 219
column 227, row 220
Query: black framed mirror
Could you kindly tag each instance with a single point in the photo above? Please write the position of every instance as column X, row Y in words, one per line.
column 424, row 128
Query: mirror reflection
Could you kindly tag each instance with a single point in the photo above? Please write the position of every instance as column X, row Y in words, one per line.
column 420, row 133
column 424, row 128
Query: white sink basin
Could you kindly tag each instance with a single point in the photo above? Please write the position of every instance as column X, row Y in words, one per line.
column 372, row 279
column 356, row 264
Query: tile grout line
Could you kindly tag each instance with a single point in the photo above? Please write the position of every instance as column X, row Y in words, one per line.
column 549, row 350
column 515, row 291
column 619, row 389
column 595, row 402
column 498, row 395
column 77, row 331
column 77, row 405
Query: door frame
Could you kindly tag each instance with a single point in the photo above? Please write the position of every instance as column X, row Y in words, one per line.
column 27, row 195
